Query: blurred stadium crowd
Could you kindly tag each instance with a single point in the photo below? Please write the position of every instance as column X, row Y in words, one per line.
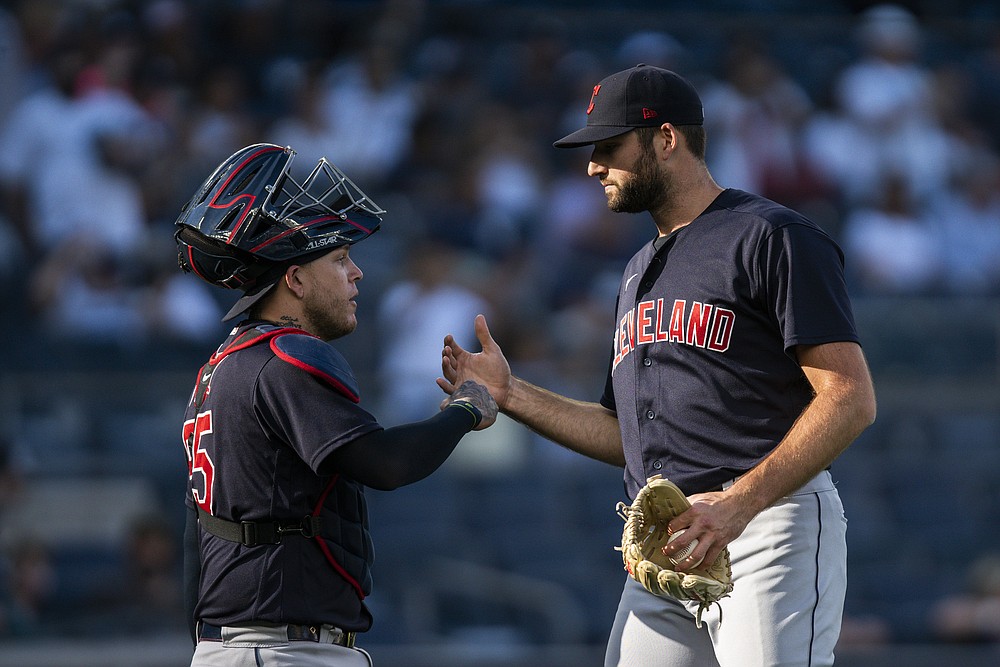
column 881, row 122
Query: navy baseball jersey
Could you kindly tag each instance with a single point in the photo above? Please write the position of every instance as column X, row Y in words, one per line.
column 703, row 378
column 256, row 434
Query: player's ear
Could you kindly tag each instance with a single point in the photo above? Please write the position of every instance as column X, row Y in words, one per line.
column 293, row 280
column 666, row 140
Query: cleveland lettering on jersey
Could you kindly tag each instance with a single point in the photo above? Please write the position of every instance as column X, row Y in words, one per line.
column 698, row 324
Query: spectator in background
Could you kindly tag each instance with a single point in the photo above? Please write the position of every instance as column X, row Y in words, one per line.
column 653, row 46
column 11, row 482
column 371, row 107
column 893, row 248
column 972, row 616
column 437, row 176
column 508, row 176
column 89, row 293
column 71, row 160
column 968, row 219
column 169, row 26
column 23, row 589
column 27, row 591
column 219, row 123
column 756, row 115
column 12, row 63
column 884, row 119
column 101, row 198
column 38, row 135
column 414, row 315
column 983, row 67
column 95, row 226
column 81, row 292
column 114, row 49
column 150, row 595
column 10, row 477
column 370, row 101
column 578, row 240
column 306, row 123
column 179, row 309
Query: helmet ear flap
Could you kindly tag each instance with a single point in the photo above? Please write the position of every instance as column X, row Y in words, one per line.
column 217, row 262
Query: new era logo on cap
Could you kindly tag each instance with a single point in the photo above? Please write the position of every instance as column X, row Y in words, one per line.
column 642, row 96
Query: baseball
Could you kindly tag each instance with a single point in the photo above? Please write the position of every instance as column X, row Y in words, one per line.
column 683, row 553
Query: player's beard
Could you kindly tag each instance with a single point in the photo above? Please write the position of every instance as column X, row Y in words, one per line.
column 645, row 190
column 329, row 322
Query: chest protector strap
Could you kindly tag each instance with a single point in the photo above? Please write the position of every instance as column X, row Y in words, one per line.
column 252, row 533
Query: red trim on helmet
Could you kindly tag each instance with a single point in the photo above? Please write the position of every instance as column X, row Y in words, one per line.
column 354, row 224
column 308, row 224
column 232, row 175
column 293, row 230
column 194, row 267
column 243, row 215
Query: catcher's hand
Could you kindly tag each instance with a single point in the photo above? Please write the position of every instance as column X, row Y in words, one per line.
column 646, row 534
column 474, row 398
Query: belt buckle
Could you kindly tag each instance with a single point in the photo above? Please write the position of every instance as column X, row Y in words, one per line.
column 342, row 637
column 315, row 633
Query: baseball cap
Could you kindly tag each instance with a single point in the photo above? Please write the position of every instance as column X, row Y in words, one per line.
column 641, row 96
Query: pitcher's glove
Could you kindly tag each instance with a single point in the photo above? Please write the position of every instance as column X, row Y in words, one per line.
column 644, row 537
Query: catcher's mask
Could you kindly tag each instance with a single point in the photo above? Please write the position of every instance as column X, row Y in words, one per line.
column 250, row 220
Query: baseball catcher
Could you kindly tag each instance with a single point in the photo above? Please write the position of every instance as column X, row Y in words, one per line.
column 643, row 539
column 280, row 448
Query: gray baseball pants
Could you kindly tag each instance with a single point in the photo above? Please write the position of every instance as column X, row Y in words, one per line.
column 268, row 646
column 789, row 583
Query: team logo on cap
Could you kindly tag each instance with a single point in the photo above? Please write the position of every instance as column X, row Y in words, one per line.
column 597, row 89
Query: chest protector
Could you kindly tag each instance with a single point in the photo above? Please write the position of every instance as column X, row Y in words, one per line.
column 339, row 521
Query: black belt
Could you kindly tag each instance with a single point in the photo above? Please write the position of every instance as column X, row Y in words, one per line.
column 296, row 633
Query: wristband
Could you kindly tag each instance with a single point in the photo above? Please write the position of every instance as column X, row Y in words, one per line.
column 468, row 407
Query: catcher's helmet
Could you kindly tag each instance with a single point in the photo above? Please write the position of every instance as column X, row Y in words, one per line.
column 251, row 219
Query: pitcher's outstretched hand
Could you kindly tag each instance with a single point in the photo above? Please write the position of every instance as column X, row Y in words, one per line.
column 488, row 367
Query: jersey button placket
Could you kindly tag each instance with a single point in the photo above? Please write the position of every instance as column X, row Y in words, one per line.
column 649, row 279
column 646, row 415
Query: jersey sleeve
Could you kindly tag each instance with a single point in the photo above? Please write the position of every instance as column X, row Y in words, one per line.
column 803, row 285
column 306, row 411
